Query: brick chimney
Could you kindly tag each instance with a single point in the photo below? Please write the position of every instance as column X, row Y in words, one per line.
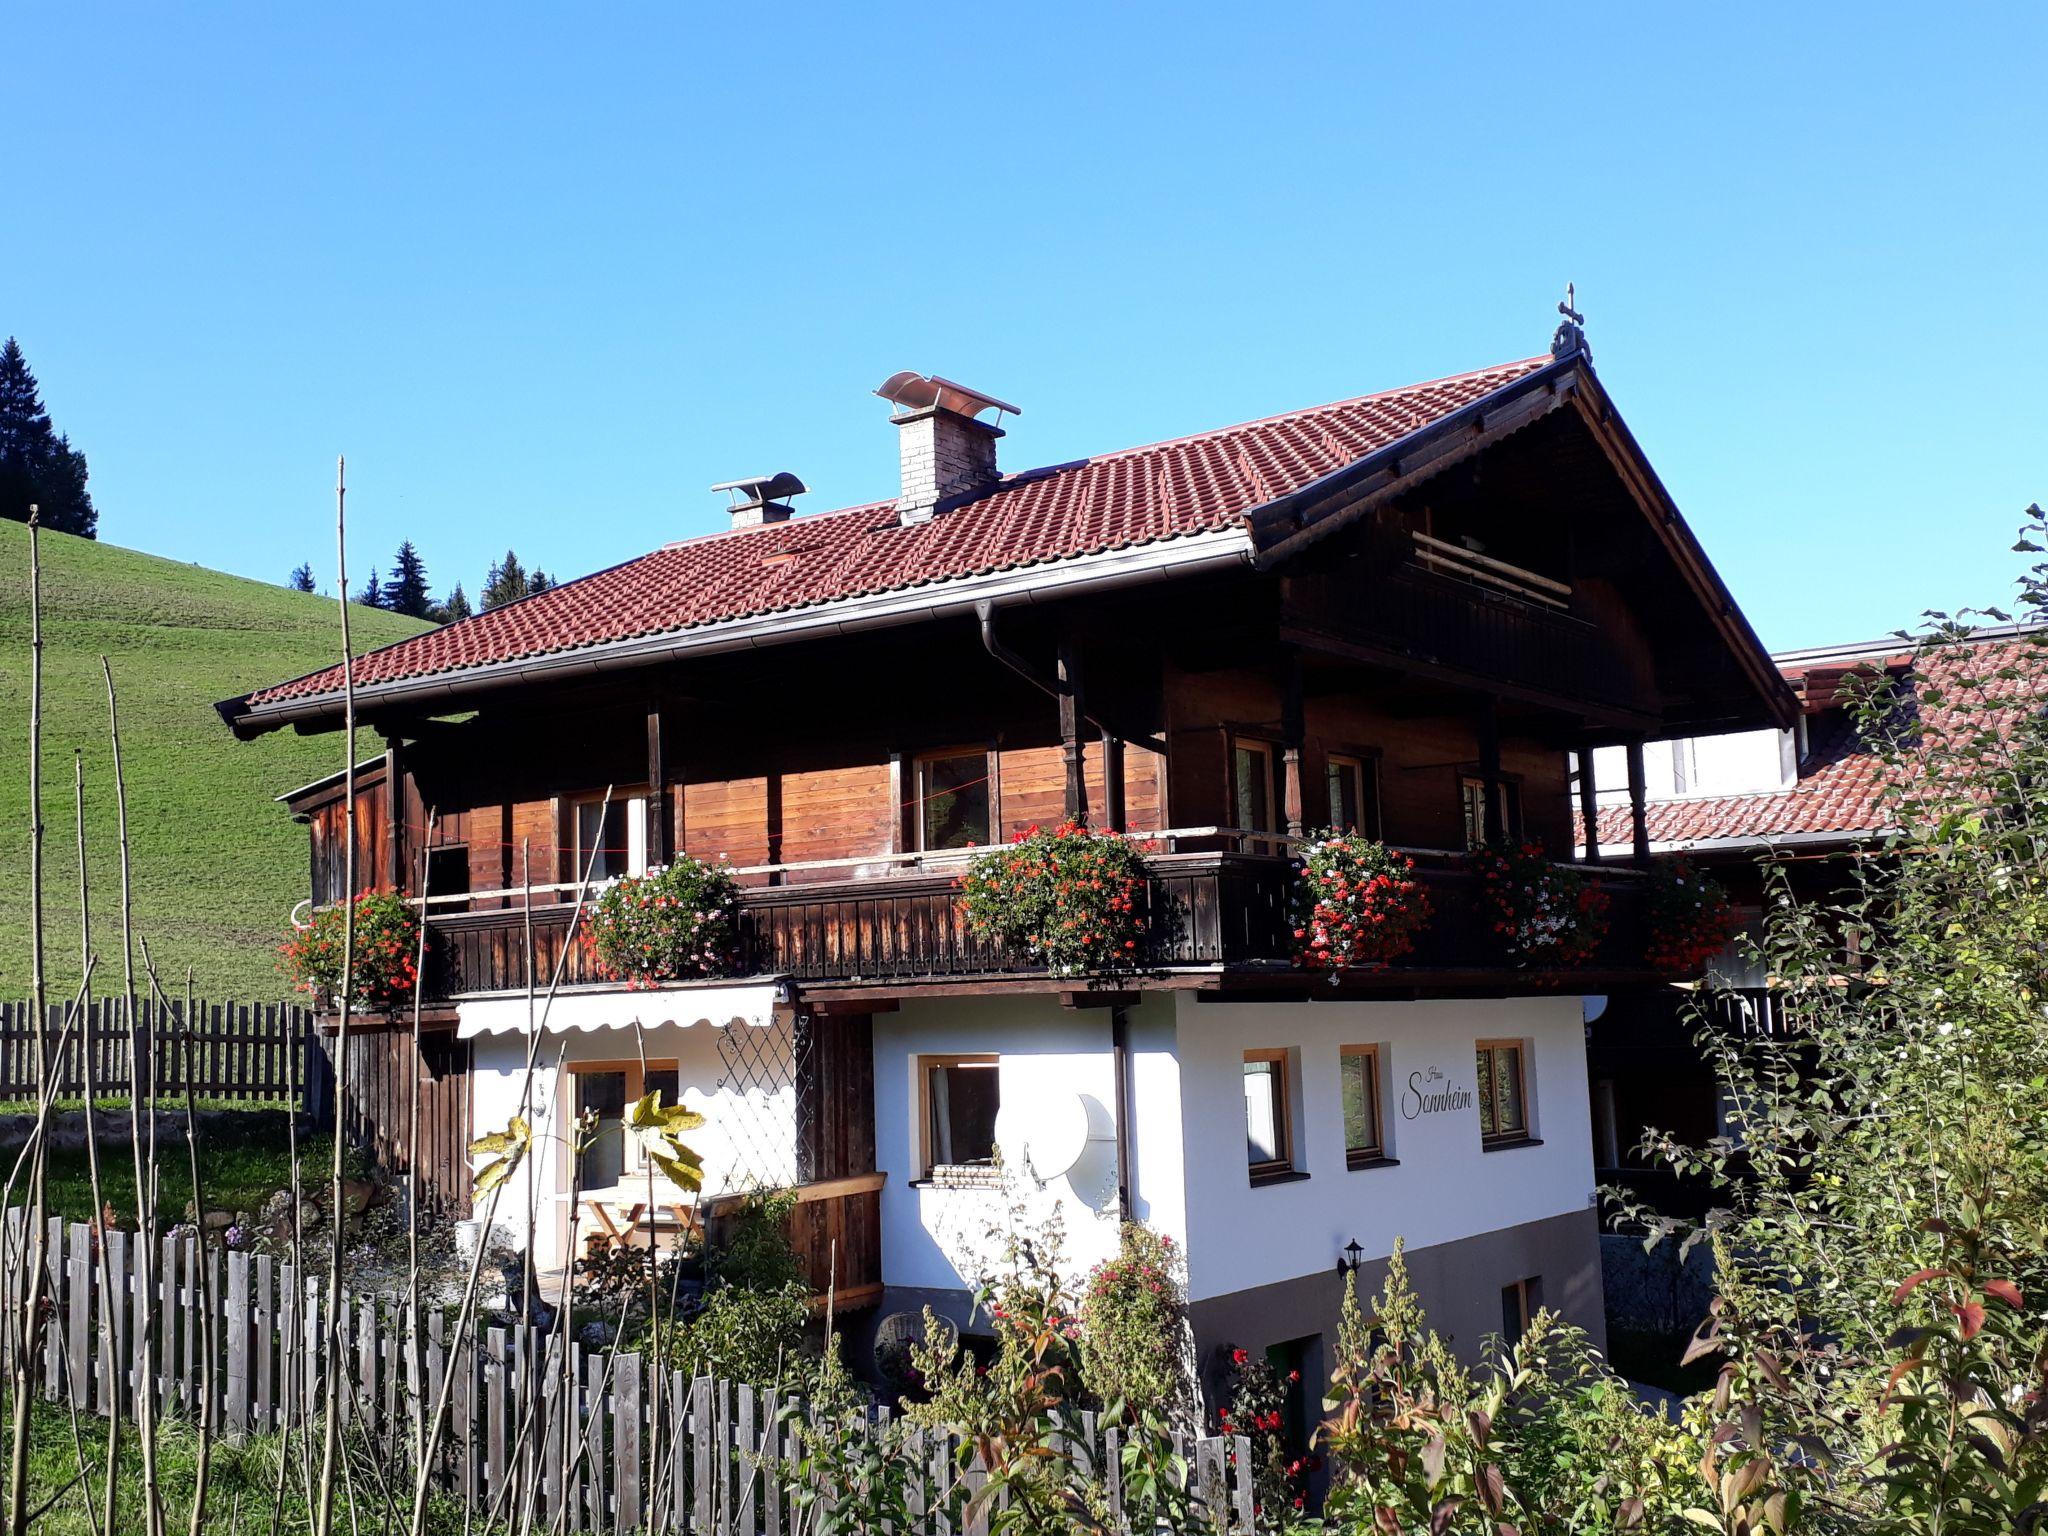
column 762, row 499
column 948, row 452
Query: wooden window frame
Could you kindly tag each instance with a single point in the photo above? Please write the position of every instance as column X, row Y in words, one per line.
column 628, row 799
column 1376, row 1155
column 1511, row 806
column 1274, row 838
column 633, row 1167
column 1528, row 1301
column 915, row 763
column 1524, row 1134
column 947, row 1173
column 1284, row 1167
column 1370, row 784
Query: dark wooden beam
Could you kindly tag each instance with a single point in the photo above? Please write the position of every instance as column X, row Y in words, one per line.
column 1638, row 802
column 659, row 821
column 1589, row 803
column 1113, row 815
column 1071, row 710
column 394, row 813
column 1085, row 999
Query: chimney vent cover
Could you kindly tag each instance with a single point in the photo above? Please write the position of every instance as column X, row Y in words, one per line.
column 922, row 392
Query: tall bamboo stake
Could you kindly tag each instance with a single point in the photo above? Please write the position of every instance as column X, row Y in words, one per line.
column 92, row 1145
column 142, row 1048
column 17, row 1468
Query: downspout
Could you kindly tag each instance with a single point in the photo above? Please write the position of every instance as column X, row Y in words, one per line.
column 985, row 610
column 1120, row 1065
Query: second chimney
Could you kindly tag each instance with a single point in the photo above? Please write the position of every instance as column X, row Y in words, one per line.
column 948, row 452
column 762, row 499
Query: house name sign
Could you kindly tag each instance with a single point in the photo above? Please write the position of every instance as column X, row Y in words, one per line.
column 1429, row 1092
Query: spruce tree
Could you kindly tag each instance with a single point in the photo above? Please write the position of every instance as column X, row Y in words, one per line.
column 372, row 595
column 406, row 592
column 506, row 583
column 38, row 465
column 538, row 582
column 457, row 607
column 302, row 579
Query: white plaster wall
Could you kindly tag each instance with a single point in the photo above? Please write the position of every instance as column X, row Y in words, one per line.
column 1445, row 1186
column 940, row 1237
column 749, row 1138
column 1737, row 763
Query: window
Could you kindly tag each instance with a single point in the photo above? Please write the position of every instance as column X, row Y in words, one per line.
column 1354, row 784
column 953, row 800
column 611, row 837
column 961, row 1097
column 1519, row 1302
column 1268, row 1120
column 1253, row 792
column 608, row 1089
column 1503, row 1094
column 1472, row 791
column 1364, row 1133
column 448, row 875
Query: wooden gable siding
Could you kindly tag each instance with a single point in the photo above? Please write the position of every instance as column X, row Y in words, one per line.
column 1032, row 788
column 372, row 826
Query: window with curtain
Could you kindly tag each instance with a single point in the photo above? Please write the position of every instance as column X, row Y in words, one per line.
column 1472, row 792
column 961, row 1097
column 1359, row 1084
column 1354, row 790
column 609, row 1157
column 1503, row 1092
column 1268, row 1125
column 953, row 800
column 611, row 838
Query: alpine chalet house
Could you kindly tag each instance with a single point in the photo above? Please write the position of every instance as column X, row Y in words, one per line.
column 1400, row 614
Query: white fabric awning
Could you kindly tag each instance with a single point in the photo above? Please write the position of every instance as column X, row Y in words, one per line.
column 721, row 1005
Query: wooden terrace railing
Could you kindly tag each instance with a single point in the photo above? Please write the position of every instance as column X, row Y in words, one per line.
column 1214, row 909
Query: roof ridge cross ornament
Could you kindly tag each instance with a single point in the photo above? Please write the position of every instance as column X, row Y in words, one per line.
column 1569, row 339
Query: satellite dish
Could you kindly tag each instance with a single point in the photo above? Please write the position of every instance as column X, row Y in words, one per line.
column 898, row 1333
column 1046, row 1139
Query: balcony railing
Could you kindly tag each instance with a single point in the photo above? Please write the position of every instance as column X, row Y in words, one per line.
column 1201, row 910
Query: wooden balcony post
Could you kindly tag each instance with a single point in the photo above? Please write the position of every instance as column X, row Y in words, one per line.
column 1638, row 804
column 394, row 811
column 1113, row 814
column 659, row 822
column 1487, row 728
column 1292, row 731
column 1070, row 729
column 1589, row 804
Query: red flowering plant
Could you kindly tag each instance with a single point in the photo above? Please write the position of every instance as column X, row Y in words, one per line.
column 1545, row 913
column 1355, row 902
column 669, row 924
column 1691, row 918
column 1067, row 896
column 1133, row 1310
column 1257, row 1395
column 383, row 962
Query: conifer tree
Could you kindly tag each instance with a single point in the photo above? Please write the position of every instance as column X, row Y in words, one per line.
column 406, row 592
column 506, row 583
column 538, row 582
column 456, row 608
column 302, row 579
column 372, row 595
column 38, row 465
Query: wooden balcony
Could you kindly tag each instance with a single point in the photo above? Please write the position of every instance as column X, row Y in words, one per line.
column 1213, row 915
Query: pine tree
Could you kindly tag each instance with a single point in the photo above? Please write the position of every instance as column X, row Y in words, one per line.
column 302, row 579
column 457, row 607
column 538, row 582
column 506, row 583
column 38, row 466
column 406, row 592
column 372, row 595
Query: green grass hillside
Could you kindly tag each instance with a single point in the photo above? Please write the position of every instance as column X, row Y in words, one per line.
column 217, row 864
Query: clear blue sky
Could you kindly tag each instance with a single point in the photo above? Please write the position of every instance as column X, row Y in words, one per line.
column 545, row 273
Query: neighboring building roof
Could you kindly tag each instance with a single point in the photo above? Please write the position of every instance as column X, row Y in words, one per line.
column 1838, row 796
column 1113, row 501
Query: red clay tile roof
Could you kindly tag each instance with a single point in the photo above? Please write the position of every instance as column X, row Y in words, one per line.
column 1113, row 501
column 1839, row 789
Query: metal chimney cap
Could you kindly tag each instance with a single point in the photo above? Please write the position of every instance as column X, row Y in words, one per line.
column 779, row 486
column 923, row 392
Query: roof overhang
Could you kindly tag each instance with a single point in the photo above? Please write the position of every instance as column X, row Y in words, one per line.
column 1215, row 550
column 1292, row 523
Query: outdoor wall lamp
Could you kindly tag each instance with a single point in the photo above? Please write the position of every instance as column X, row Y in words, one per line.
column 1350, row 1259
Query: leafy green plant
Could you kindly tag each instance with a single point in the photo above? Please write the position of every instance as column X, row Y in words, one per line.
column 384, row 959
column 1068, row 896
column 669, row 924
column 1355, row 902
column 1690, row 916
column 1134, row 1325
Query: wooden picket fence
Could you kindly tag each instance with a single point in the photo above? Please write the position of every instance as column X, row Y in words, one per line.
column 541, row 1430
column 242, row 1052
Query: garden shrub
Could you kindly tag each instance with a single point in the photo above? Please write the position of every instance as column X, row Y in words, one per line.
column 670, row 924
column 1355, row 902
column 1067, row 896
column 384, row 960
column 1134, row 1325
